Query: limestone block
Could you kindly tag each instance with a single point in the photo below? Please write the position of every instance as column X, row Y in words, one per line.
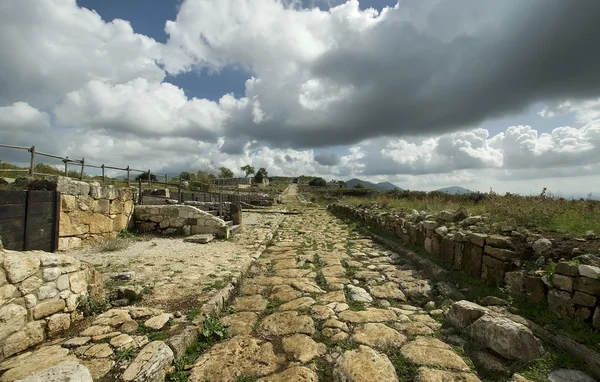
column 101, row 224
column 62, row 282
column 31, row 334
column 78, row 282
column 19, row 266
column 567, row 269
column 95, row 190
column 500, row 253
column 447, row 249
column 2, row 274
column 515, row 282
column 68, row 186
column 499, row 241
column 67, row 243
column 30, row 300
column 562, row 282
column 12, row 318
column 435, row 245
column 472, row 259
column 30, row 284
column 561, row 303
column 58, row 322
column 6, row 293
column 102, row 206
column 587, row 285
column 67, row 371
column 428, row 245
column 477, row 238
column 535, row 289
column 50, row 274
column 47, row 291
column 493, row 270
column 458, row 254
column 120, row 223
column 584, row 299
column 68, row 203
column 75, row 223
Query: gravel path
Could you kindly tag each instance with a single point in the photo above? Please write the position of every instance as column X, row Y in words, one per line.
column 177, row 275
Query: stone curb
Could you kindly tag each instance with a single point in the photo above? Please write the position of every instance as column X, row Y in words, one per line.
column 431, row 269
column 180, row 342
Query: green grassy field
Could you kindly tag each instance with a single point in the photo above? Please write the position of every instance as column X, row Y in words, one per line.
column 548, row 213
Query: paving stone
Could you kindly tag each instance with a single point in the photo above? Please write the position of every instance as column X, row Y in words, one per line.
column 255, row 303
column 285, row 323
column 298, row 304
column 427, row 351
column 369, row 315
column 293, row 374
column 239, row 356
column 378, row 336
column 241, row 323
column 364, row 365
column 302, row 348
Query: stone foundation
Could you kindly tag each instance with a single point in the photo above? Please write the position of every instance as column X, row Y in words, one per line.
column 573, row 290
column 39, row 294
column 178, row 219
column 91, row 213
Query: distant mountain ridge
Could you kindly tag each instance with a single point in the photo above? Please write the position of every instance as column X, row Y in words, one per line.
column 382, row 186
column 455, row 190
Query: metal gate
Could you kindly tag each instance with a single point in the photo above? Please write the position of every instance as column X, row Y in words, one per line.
column 29, row 220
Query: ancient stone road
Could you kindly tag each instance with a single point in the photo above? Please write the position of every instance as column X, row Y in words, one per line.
column 324, row 303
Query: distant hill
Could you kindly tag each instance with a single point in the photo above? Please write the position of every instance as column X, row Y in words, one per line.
column 455, row 190
column 382, row 186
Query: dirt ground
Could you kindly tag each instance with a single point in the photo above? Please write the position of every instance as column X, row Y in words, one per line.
column 176, row 275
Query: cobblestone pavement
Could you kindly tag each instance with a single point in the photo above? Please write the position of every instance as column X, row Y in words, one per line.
column 324, row 303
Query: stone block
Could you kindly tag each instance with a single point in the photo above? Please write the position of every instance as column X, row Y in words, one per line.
column 78, row 282
column 58, row 322
column 436, row 245
column 103, row 206
column 582, row 313
column 30, row 284
column 477, row 239
column 562, row 282
column 19, row 266
column 68, row 203
column 101, row 224
column 67, row 243
column 46, row 308
column 447, row 249
column 535, row 289
column 561, row 303
column 515, row 282
column 68, row 186
column 589, row 271
column 567, row 269
column 587, row 285
column 472, row 259
column 458, row 254
column 12, row 319
column 32, row 334
column 47, row 291
column 498, row 241
column 596, row 318
column 429, row 224
column 584, row 299
column 500, row 253
column 3, row 279
column 493, row 270
column 6, row 293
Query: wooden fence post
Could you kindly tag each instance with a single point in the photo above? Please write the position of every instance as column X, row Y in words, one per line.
column 149, row 179
column 128, row 177
column 66, row 160
column 103, row 177
column 180, row 197
column 82, row 167
column 32, row 163
column 141, row 196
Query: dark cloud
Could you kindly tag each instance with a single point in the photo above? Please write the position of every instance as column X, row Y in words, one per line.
column 327, row 159
column 438, row 75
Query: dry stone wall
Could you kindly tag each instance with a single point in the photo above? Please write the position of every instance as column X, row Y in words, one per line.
column 178, row 219
column 570, row 289
column 91, row 213
column 39, row 294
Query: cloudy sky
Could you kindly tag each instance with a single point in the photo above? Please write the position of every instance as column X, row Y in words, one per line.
column 421, row 93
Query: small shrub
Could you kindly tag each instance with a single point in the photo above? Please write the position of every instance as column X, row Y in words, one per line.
column 116, row 244
column 90, row 307
column 125, row 353
column 125, row 234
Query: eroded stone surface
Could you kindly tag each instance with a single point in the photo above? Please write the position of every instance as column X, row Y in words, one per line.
column 364, row 365
column 285, row 323
column 241, row 355
column 302, row 348
column 241, row 323
column 379, row 336
column 427, row 351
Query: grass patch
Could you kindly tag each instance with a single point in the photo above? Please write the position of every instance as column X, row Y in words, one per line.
column 125, row 354
column 545, row 211
column 246, row 378
column 354, row 305
column 324, row 370
column 406, row 371
column 272, row 307
column 538, row 369
column 218, row 284
column 90, row 307
column 320, row 280
column 193, row 313
column 350, row 271
column 212, row 332
column 116, row 244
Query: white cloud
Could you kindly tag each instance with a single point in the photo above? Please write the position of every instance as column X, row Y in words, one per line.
column 51, row 47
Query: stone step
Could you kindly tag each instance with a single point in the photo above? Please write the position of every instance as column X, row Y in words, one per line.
column 200, row 239
column 235, row 229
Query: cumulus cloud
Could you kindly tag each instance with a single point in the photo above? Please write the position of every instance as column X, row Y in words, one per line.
column 51, row 47
column 327, row 159
column 411, row 69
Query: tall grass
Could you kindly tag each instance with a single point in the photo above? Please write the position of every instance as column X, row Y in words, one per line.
column 542, row 211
